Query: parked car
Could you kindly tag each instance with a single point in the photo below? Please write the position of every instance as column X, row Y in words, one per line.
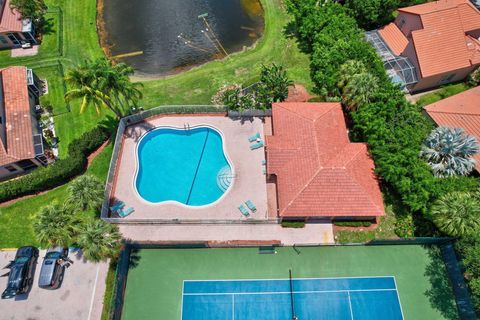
column 20, row 277
column 53, row 268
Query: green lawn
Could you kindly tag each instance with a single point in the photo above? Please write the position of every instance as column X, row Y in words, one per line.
column 16, row 220
column 444, row 92
column 155, row 278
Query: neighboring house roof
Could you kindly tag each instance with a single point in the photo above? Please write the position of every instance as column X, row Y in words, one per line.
column 319, row 172
column 18, row 121
column 441, row 45
column 10, row 20
column 394, row 37
column 459, row 111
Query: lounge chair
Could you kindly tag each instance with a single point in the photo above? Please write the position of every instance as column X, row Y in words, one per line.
column 117, row 206
column 254, row 137
column 250, row 205
column 124, row 213
column 256, row 145
column 243, row 210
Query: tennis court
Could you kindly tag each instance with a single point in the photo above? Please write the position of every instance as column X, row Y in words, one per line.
column 327, row 298
column 367, row 282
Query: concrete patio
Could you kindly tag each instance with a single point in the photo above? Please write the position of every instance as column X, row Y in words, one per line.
column 318, row 233
column 249, row 180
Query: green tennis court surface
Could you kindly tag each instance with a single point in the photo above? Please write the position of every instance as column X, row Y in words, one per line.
column 329, row 283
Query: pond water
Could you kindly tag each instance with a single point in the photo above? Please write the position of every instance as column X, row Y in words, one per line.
column 161, row 37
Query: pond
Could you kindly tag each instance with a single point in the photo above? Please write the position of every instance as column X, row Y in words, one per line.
column 162, row 37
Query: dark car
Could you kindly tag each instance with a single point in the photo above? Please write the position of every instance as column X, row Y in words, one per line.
column 53, row 268
column 20, row 277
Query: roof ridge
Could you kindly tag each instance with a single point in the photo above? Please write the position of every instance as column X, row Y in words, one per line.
column 450, row 112
column 359, row 184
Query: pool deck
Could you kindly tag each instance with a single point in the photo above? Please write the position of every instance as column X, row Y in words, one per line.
column 249, row 182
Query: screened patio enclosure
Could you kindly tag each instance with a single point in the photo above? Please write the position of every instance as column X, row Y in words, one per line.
column 400, row 69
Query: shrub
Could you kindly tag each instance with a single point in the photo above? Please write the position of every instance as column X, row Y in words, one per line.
column 449, row 152
column 457, row 214
column 55, row 225
column 353, row 223
column 293, row 224
column 85, row 193
column 468, row 249
column 57, row 173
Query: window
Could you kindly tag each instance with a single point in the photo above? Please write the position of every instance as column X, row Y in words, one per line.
column 402, row 22
column 26, row 164
column 448, row 78
column 3, row 40
column 10, row 168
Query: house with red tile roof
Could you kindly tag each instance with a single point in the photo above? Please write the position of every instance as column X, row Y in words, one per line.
column 459, row 111
column 319, row 173
column 21, row 141
column 14, row 30
column 438, row 41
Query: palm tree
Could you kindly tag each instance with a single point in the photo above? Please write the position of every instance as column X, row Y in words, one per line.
column 449, row 152
column 99, row 240
column 274, row 83
column 54, row 225
column 101, row 84
column 359, row 90
column 84, row 84
column 348, row 70
column 85, row 192
column 457, row 214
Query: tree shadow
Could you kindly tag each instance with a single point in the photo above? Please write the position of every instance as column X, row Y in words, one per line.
column 110, row 124
column 440, row 294
column 290, row 32
column 46, row 27
column 134, row 259
column 136, row 131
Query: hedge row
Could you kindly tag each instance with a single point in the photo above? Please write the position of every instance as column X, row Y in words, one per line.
column 352, row 223
column 59, row 172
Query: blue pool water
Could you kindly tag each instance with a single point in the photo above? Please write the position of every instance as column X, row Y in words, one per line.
column 187, row 166
column 373, row 298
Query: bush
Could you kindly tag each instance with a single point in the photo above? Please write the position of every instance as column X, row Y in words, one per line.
column 293, row 224
column 352, row 223
column 468, row 249
column 57, row 173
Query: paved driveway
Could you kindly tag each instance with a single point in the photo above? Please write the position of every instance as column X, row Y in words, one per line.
column 79, row 297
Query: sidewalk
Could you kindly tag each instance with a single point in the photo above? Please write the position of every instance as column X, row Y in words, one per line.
column 312, row 233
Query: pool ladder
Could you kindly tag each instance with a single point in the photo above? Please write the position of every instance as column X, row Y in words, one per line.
column 186, row 127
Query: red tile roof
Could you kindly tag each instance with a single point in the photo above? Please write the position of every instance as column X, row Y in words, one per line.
column 319, row 172
column 440, row 45
column 459, row 111
column 394, row 37
column 18, row 119
column 10, row 20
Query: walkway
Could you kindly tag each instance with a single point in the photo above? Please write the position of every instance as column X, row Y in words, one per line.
column 311, row 234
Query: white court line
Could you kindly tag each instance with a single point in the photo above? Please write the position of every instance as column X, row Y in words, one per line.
column 350, row 305
column 181, row 304
column 93, row 294
column 398, row 297
column 233, row 307
column 287, row 279
column 280, row 292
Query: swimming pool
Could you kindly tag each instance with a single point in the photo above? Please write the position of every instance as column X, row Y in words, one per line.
column 188, row 166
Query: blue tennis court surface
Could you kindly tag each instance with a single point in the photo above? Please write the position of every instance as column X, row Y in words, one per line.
column 328, row 298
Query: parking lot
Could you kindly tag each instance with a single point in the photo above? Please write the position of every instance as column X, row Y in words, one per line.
column 79, row 297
